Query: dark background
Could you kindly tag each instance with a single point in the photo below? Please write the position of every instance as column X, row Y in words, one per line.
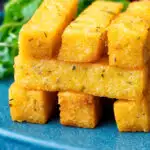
column 1, row 4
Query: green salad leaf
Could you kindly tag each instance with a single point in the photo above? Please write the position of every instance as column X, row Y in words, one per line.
column 17, row 13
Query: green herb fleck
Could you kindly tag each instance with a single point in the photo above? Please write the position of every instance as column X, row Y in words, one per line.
column 103, row 70
column 11, row 99
column 45, row 34
column 102, row 75
column 74, row 68
column 129, row 82
column 138, row 38
column 98, row 29
column 30, row 39
column 110, row 12
column 10, row 105
column 35, row 109
column 58, row 80
column 49, row 71
column 82, row 89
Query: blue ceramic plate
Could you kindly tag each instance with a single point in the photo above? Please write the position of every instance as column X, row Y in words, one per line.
column 16, row 136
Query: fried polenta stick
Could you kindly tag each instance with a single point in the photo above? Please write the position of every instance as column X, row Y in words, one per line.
column 97, row 79
column 41, row 36
column 132, row 116
column 84, row 39
column 127, row 41
column 31, row 106
column 141, row 9
column 80, row 110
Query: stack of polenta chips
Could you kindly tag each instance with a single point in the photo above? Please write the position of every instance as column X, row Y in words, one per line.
column 101, row 53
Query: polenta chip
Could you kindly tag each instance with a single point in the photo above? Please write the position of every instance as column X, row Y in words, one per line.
column 41, row 36
column 141, row 9
column 79, row 110
column 31, row 106
column 132, row 116
column 98, row 79
column 128, row 36
column 84, row 39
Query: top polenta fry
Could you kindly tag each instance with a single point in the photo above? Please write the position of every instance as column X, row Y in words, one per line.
column 127, row 41
column 84, row 39
column 41, row 36
column 141, row 9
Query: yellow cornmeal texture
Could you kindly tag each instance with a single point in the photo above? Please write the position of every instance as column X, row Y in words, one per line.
column 141, row 9
column 127, row 38
column 31, row 106
column 108, row 6
column 78, row 109
column 97, row 79
column 41, row 36
column 132, row 116
column 84, row 39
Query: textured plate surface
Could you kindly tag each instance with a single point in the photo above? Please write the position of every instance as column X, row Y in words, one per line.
column 15, row 136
